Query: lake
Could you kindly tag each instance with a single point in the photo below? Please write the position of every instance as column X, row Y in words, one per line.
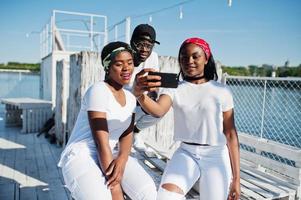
column 19, row 84
column 281, row 119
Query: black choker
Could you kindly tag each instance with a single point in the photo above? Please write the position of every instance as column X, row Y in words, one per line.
column 187, row 78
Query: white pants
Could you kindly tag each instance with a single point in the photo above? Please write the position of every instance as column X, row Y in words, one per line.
column 210, row 164
column 85, row 180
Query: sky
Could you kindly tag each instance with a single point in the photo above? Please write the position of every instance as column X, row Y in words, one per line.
column 250, row 32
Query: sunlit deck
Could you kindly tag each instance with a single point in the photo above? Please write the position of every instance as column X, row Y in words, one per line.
column 28, row 170
column 28, row 167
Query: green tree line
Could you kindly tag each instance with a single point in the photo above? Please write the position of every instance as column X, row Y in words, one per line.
column 264, row 71
column 35, row 67
column 251, row 70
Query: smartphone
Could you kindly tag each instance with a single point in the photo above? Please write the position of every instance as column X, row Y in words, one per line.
column 168, row 80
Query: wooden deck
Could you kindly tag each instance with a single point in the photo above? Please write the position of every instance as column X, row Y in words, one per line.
column 28, row 171
column 28, row 167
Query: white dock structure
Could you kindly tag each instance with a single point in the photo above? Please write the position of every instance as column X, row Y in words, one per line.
column 58, row 41
column 29, row 113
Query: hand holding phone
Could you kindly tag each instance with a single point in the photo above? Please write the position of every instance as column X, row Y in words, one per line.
column 168, row 80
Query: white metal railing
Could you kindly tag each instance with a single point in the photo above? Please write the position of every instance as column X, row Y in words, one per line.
column 73, row 31
column 269, row 108
column 120, row 31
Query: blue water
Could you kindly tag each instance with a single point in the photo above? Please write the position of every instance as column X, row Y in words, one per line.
column 282, row 109
column 17, row 84
column 278, row 119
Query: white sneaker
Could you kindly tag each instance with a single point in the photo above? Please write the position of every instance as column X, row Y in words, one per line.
column 139, row 144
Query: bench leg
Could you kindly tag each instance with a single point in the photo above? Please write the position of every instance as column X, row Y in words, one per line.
column 12, row 115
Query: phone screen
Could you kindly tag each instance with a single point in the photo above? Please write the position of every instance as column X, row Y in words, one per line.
column 168, row 80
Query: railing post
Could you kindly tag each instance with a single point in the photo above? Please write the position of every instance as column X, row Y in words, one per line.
column 105, row 40
column 47, row 39
column 41, row 44
column 224, row 79
column 53, row 30
column 116, row 32
column 263, row 108
column 91, row 33
column 127, row 30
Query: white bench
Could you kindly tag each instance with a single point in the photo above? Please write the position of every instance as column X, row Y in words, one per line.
column 261, row 177
column 268, row 177
column 29, row 113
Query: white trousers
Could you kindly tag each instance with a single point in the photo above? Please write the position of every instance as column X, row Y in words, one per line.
column 210, row 164
column 85, row 180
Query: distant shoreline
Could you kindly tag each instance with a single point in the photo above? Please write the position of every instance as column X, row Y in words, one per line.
column 19, row 70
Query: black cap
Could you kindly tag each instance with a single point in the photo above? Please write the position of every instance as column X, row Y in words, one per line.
column 144, row 30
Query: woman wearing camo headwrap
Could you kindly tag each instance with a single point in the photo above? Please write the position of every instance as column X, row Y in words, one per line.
column 92, row 168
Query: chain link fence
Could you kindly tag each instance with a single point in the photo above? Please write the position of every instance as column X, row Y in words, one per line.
column 269, row 108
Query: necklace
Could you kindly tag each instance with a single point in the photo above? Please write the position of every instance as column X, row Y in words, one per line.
column 187, row 78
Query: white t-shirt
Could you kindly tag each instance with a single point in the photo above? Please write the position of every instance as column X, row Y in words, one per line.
column 198, row 111
column 151, row 62
column 100, row 98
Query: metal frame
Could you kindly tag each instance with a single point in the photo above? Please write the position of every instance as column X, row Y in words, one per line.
column 49, row 31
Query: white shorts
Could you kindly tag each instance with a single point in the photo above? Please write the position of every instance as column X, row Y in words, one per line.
column 210, row 164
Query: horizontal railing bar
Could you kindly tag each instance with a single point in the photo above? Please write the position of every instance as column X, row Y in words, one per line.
column 79, row 31
column 78, row 13
column 265, row 78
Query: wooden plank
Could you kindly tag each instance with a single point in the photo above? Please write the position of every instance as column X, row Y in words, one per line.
column 272, row 164
column 43, row 193
column 29, row 163
column 7, row 191
column 32, row 174
column 1, row 161
column 42, row 168
column 257, row 192
column 57, row 190
column 51, row 165
column 247, row 193
column 284, row 184
column 26, row 102
column 9, row 161
column 28, row 193
column 272, row 189
column 160, row 164
column 283, row 150
column 20, row 167
column 17, row 191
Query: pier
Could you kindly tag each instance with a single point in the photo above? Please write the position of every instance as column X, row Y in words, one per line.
column 270, row 158
column 28, row 166
column 267, row 116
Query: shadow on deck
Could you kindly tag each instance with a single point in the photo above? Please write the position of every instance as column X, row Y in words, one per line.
column 28, row 167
